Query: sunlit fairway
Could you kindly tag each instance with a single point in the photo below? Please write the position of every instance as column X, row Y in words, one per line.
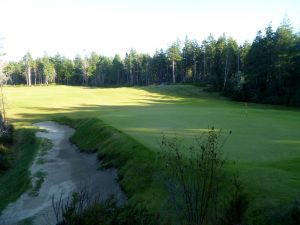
column 265, row 143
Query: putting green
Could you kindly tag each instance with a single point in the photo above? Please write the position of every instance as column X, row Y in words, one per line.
column 265, row 143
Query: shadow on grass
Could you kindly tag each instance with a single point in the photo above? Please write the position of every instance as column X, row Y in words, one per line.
column 261, row 179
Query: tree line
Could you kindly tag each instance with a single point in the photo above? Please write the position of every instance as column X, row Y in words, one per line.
column 266, row 70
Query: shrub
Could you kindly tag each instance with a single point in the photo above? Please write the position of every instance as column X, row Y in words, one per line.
column 4, row 158
column 83, row 209
column 6, row 138
column 195, row 176
column 236, row 205
column 198, row 184
column 6, row 133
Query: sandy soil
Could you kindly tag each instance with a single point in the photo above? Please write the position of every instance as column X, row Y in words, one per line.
column 67, row 170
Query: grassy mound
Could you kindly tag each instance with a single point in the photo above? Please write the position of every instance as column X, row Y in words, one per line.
column 135, row 162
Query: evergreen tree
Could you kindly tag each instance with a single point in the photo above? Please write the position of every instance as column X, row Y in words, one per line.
column 118, row 70
column 174, row 55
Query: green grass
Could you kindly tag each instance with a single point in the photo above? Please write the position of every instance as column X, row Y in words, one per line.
column 45, row 146
column 39, row 178
column 135, row 162
column 265, row 143
column 16, row 180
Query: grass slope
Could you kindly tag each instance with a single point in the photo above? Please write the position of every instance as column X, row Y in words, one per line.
column 135, row 162
column 265, row 143
column 16, row 180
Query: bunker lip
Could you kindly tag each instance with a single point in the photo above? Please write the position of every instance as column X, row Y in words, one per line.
column 65, row 170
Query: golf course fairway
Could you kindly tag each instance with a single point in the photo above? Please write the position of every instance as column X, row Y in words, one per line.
column 265, row 140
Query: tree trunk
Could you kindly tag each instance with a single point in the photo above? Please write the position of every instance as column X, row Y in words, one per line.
column 131, row 77
column 173, row 71
column 204, row 67
column 26, row 77
column 84, row 80
column 29, row 75
column 195, row 70
column 225, row 72
column 35, row 75
column 238, row 62
column 3, row 106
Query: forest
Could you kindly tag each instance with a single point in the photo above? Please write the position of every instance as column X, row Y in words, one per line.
column 264, row 71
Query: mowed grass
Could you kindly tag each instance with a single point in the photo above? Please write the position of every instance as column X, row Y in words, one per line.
column 265, row 143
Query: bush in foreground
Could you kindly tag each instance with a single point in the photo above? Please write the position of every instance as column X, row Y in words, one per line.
column 84, row 209
column 198, row 184
column 6, row 139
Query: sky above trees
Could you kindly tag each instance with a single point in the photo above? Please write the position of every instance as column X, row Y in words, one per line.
column 115, row 26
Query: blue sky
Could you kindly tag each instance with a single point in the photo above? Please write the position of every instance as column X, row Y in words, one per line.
column 114, row 26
